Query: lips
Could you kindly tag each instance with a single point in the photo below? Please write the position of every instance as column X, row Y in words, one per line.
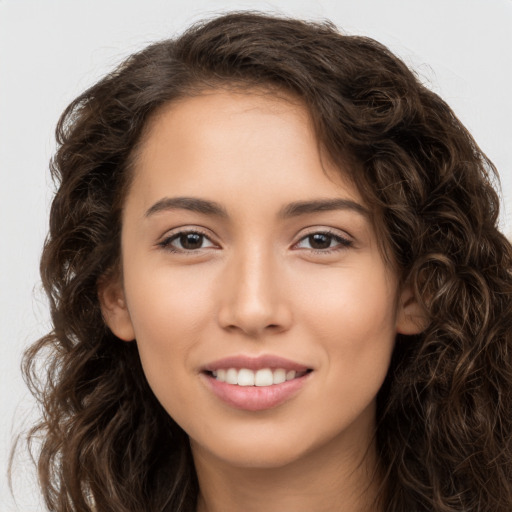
column 255, row 363
column 255, row 384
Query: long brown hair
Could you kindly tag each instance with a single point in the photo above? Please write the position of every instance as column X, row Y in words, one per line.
column 444, row 432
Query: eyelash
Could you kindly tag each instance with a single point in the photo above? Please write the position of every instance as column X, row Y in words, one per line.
column 166, row 242
column 342, row 243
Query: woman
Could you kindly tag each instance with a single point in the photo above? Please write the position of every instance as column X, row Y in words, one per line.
column 276, row 283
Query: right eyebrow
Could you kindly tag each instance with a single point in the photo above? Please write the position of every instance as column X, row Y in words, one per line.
column 322, row 205
column 192, row 204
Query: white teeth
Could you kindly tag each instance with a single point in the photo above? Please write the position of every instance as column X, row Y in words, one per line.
column 290, row 375
column 279, row 376
column 245, row 377
column 232, row 376
column 263, row 377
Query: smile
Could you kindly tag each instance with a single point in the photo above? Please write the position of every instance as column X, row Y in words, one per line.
column 261, row 378
column 255, row 383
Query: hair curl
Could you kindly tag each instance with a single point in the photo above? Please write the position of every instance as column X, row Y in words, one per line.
column 444, row 432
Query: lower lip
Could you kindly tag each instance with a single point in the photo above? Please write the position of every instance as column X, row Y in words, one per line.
column 255, row 398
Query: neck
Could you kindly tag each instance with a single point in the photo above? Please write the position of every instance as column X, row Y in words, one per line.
column 345, row 480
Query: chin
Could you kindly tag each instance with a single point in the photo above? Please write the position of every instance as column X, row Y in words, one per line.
column 267, row 449
column 260, row 457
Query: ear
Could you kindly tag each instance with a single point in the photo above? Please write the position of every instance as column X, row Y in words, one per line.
column 114, row 309
column 411, row 317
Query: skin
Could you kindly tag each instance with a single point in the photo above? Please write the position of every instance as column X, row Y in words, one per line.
column 255, row 284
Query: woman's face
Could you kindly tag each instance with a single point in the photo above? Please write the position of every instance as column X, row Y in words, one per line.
column 248, row 258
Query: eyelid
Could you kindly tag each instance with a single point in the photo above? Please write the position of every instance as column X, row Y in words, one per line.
column 165, row 241
column 345, row 240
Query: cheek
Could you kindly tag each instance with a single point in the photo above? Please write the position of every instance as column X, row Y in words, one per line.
column 351, row 301
column 352, row 315
column 169, row 312
column 165, row 301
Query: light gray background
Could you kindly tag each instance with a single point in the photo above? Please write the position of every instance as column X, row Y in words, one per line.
column 51, row 50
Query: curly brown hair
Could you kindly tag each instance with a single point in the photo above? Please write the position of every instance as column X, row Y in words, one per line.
column 444, row 432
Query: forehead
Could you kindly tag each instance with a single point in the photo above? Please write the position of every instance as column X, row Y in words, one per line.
column 230, row 136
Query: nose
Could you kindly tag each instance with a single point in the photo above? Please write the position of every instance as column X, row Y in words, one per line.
column 253, row 300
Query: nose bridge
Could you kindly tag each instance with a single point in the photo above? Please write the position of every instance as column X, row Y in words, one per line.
column 253, row 301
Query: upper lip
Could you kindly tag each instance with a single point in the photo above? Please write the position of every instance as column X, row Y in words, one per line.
column 255, row 363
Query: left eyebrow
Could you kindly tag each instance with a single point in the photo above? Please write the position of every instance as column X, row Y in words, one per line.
column 192, row 204
column 321, row 205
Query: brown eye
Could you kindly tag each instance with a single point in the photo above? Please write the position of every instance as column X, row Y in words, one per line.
column 323, row 241
column 186, row 241
column 320, row 241
column 191, row 241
